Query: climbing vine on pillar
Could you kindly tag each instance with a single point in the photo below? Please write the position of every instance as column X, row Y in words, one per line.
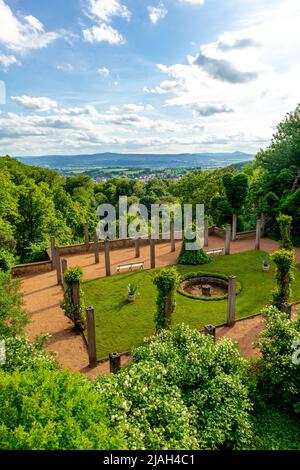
column 73, row 302
column 285, row 224
column 166, row 282
column 285, row 265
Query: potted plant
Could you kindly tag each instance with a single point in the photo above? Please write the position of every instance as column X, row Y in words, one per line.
column 266, row 264
column 132, row 292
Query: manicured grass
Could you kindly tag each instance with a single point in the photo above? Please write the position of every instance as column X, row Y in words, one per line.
column 121, row 325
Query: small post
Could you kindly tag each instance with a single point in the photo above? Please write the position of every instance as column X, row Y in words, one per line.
column 152, row 253
column 137, row 247
column 53, row 252
column 287, row 308
column 91, row 334
column 107, row 258
column 96, row 248
column 234, row 226
column 227, row 241
column 258, row 234
column 210, row 330
column 263, row 223
column 64, row 267
column 114, row 362
column 86, row 236
column 231, row 301
column 172, row 237
column 205, row 231
column 58, row 266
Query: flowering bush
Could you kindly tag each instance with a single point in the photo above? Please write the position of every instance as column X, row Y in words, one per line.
column 181, row 392
column 280, row 375
column 47, row 410
column 21, row 354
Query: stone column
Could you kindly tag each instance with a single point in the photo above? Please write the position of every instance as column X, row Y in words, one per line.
column 152, row 253
column 58, row 266
column 172, row 237
column 258, row 234
column 234, row 226
column 96, row 248
column 227, row 240
column 205, row 231
column 53, row 252
column 64, row 267
column 91, row 334
column 114, row 362
column 263, row 223
column 231, row 300
column 107, row 258
column 86, row 237
column 287, row 308
column 210, row 330
column 137, row 247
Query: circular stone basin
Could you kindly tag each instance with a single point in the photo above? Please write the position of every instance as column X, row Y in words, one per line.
column 204, row 287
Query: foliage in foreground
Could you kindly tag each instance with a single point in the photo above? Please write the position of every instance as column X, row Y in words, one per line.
column 279, row 379
column 46, row 410
column 21, row 355
column 274, row 429
column 181, row 392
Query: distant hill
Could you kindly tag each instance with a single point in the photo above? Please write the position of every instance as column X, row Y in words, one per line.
column 118, row 160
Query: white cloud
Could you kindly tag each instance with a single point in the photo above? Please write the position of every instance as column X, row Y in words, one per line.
column 104, row 71
column 157, row 13
column 24, row 33
column 106, row 9
column 103, row 33
column 7, row 60
column 65, row 67
column 193, row 2
column 246, row 80
column 41, row 104
column 137, row 108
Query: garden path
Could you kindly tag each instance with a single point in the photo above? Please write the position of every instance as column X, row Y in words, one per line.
column 42, row 299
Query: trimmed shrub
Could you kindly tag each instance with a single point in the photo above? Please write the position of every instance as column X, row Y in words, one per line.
column 193, row 257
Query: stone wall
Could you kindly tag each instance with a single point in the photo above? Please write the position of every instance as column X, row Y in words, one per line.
column 245, row 235
column 32, row 268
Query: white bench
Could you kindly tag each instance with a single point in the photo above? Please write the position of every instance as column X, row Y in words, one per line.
column 130, row 266
column 217, row 251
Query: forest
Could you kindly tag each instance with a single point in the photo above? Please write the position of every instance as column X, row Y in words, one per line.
column 36, row 203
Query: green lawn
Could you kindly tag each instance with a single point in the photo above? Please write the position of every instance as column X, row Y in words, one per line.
column 121, row 325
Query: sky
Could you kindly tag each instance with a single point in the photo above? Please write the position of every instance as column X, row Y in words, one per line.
column 146, row 76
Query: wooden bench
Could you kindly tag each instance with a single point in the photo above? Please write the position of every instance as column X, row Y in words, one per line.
column 216, row 251
column 130, row 266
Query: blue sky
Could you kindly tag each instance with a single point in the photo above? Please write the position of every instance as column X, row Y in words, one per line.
column 145, row 75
